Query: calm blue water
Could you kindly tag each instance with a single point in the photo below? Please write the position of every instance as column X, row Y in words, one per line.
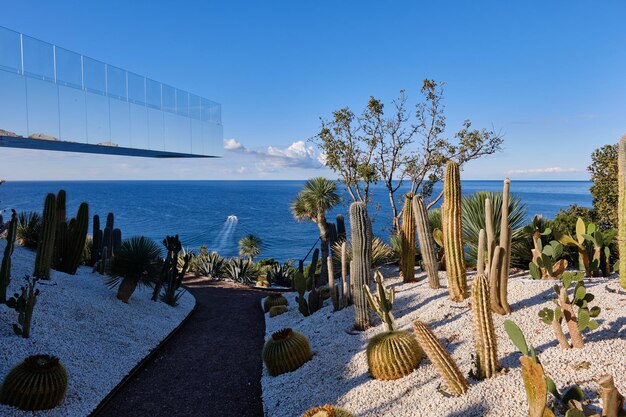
column 198, row 210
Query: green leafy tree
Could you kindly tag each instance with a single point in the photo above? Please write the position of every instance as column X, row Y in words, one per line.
column 250, row 246
column 603, row 170
column 317, row 197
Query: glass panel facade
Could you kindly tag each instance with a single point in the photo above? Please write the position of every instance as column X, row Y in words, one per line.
column 51, row 94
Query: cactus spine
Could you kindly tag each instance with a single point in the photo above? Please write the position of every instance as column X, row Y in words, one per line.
column 360, row 266
column 427, row 247
column 37, row 383
column 391, row 354
column 621, row 210
column 407, row 233
column 285, row 351
column 5, row 268
column 484, row 334
column 45, row 251
column 453, row 233
column 439, row 356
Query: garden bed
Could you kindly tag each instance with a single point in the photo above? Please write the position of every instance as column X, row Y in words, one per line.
column 338, row 373
column 98, row 338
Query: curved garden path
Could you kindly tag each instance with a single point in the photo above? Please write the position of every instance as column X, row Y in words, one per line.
column 210, row 367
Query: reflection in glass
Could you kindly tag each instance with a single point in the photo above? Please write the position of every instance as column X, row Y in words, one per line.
column 13, row 104
column 136, row 88
column 69, row 70
column 10, row 50
column 72, row 115
column 94, row 75
column 116, row 82
column 38, row 58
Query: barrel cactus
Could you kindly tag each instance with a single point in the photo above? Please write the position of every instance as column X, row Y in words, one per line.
column 453, row 233
column 391, row 354
column 360, row 266
column 439, row 356
column 407, row 259
column 286, row 351
column 274, row 300
column 327, row 411
column 37, row 383
column 277, row 310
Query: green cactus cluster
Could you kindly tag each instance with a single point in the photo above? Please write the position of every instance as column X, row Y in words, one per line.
column 105, row 242
column 407, row 234
column 277, row 310
column 547, row 264
column 439, row 356
column 361, row 263
column 327, row 411
column 392, row 354
column 37, row 383
column 485, row 340
column 5, row 267
column 274, row 300
column 24, row 303
column 593, row 249
column 309, row 297
column 70, row 236
column 576, row 312
column 453, row 233
column 45, row 249
column 172, row 274
column 285, row 351
column 426, row 243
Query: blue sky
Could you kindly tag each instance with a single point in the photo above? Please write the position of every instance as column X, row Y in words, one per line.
column 548, row 74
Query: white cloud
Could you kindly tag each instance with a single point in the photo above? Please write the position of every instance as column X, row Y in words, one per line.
column 232, row 144
column 272, row 159
column 548, row 170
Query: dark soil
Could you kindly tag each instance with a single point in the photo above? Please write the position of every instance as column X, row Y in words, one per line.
column 210, row 367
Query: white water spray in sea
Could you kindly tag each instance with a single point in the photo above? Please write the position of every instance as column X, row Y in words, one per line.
column 226, row 233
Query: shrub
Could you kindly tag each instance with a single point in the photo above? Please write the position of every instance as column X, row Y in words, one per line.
column 382, row 253
column 28, row 229
column 136, row 261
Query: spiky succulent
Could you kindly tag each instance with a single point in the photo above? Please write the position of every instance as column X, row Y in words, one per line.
column 277, row 310
column 285, row 351
column 274, row 300
column 37, row 383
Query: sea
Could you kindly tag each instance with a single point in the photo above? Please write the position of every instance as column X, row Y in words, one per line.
column 218, row 213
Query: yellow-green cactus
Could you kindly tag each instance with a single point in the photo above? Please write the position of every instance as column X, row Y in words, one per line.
column 393, row 355
column 427, row 247
column 277, row 310
column 286, row 351
column 360, row 266
column 439, row 356
column 327, row 411
column 621, row 210
column 453, row 233
column 485, row 339
column 274, row 300
column 407, row 233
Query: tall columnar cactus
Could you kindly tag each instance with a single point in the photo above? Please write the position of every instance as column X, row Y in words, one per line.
column 427, row 245
column 310, row 279
column 346, row 299
column 505, row 243
column 285, row 351
column 299, row 283
column 453, row 233
column 71, row 238
column 5, row 268
column 360, row 266
column 439, row 356
column 391, row 354
column 341, row 228
column 37, row 383
column 96, row 246
column 45, row 250
column 407, row 233
column 485, row 339
column 334, row 295
column 621, row 210
column 612, row 400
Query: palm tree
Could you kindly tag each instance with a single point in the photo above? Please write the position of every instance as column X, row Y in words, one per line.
column 250, row 246
column 317, row 197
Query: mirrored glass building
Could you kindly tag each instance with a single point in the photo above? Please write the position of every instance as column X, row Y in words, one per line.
column 55, row 99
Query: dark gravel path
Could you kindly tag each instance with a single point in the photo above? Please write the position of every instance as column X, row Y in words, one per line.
column 211, row 367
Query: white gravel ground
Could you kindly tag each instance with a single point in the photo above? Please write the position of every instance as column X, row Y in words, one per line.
column 338, row 373
column 98, row 338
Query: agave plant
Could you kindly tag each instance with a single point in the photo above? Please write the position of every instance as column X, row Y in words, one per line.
column 280, row 275
column 28, row 229
column 240, row 270
column 382, row 253
column 136, row 261
column 208, row 265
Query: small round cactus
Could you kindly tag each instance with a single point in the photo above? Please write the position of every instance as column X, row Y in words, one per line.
column 393, row 355
column 274, row 300
column 286, row 351
column 37, row 383
column 277, row 310
column 327, row 411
